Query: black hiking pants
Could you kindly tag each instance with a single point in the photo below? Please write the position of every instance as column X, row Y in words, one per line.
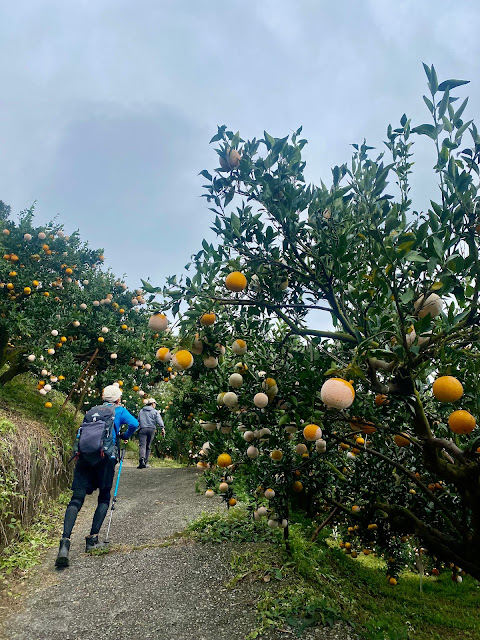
column 145, row 437
column 86, row 479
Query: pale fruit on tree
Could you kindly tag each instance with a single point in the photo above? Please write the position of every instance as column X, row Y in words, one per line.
column 249, row 436
column 113, row 356
column 54, row 333
column 197, row 346
column 269, row 494
column 158, row 322
column 301, row 449
column 51, row 352
column 220, row 397
column 76, row 323
column 260, row 400
column 431, row 304
column 223, row 487
column 31, row 357
column 252, row 452
column 209, row 493
column 273, row 524
column 48, row 387
column 230, row 161
column 320, row 446
column 230, row 399
column 337, row 393
column 235, row 380
column 209, row 426
column 239, row 347
column 104, row 329
column 210, row 362
column 262, row 511
column 83, row 306
column 44, row 372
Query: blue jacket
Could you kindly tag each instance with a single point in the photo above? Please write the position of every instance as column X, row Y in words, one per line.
column 123, row 416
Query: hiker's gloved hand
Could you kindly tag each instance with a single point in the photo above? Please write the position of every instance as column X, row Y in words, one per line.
column 123, row 437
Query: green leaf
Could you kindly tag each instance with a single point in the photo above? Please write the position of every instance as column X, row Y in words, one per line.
column 149, row 289
column 414, row 256
column 426, row 130
column 451, row 84
column 429, row 103
column 442, row 107
column 427, row 71
column 433, row 80
column 206, row 175
column 269, row 140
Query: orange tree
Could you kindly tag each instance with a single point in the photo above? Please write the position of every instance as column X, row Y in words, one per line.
column 65, row 318
column 401, row 288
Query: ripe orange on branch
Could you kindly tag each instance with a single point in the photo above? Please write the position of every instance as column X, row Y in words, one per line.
column 461, row 422
column 401, row 440
column 207, row 319
column 235, row 281
column 447, row 389
column 224, row 460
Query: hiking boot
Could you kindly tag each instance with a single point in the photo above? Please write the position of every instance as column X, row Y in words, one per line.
column 92, row 543
column 63, row 551
column 142, row 464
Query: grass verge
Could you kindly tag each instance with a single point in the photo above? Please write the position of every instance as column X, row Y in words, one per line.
column 25, row 551
column 317, row 584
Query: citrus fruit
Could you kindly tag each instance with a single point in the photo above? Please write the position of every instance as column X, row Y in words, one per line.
column 182, row 360
column 461, row 422
column 312, row 432
column 158, row 322
column 337, row 393
column 224, row 460
column 235, row 281
column 432, row 304
column 207, row 319
column 401, row 440
column 447, row 389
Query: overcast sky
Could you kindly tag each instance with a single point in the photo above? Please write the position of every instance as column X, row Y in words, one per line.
column 107, row 106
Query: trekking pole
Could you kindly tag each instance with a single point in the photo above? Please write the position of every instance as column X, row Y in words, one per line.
column 122, row 455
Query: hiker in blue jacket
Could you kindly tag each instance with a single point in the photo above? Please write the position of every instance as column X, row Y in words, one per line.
column 149, row 418
column 88, row 477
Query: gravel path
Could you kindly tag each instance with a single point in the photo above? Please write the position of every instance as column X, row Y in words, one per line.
column 147, row 587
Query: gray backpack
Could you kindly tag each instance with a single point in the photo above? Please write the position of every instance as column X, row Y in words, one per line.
column 96, row 436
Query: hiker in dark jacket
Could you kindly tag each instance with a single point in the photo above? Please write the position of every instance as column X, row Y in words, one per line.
column 88, row 477
column 149, row 418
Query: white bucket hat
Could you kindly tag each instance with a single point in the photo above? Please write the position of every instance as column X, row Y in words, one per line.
column 151, row 401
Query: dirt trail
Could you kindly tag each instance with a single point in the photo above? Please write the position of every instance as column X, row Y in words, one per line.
column 160, row 591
